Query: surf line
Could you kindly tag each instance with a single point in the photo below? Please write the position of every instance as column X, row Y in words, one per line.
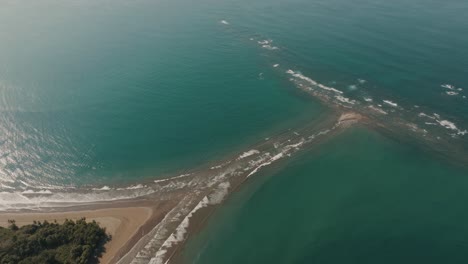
column 206, row 190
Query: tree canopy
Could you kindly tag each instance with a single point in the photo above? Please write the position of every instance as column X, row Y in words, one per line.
column 73, row 242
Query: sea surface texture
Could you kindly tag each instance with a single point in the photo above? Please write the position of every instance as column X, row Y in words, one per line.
column 99, row 99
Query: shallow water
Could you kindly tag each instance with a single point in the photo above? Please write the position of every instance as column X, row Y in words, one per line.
column 97, row 96
column 94, row 93
column 360, row 198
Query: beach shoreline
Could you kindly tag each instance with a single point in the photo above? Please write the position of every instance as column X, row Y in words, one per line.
column 125, row 221
column 154, row 228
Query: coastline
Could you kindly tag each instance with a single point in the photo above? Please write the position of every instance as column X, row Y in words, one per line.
column 154, row 228
column 125, row 221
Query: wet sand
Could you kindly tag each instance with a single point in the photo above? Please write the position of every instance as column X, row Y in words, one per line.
column 154, row 228
column 126, row 221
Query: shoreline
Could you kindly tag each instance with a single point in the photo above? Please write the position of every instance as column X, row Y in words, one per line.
column 154, row 227
column 125, row 221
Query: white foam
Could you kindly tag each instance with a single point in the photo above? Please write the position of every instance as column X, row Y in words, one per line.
column 444, row 123
column 45, row 198
column 270, row 47
column 179, row 234
column 133, row 187
column 431, row 124
column 104, row 188
column 378, row 110
column 321, row 133
column 368, row 99
column 309, row 80
column 37, row 192
column 270, row 161
column 344, row 99
column 362, row 81
column 248, row 153
column 451, row 93
column 264, row 42
column 390, row 103
column 25, row 183
column 426, row 115
column 221, row 192
column 294, row 146
column 276, row 65
column 224, row 22
column 448, row 86
column 447, row 124
column 6, row 186
column 173, row 178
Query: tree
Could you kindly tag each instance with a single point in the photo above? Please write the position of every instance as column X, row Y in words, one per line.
column 12, row 225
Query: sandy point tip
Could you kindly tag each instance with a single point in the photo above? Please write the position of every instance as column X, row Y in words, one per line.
column 349, row 118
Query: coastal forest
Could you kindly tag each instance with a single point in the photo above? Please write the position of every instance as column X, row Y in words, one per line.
column 72, row 242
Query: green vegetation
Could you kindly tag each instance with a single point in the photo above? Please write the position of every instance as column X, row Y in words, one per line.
column 72, row 242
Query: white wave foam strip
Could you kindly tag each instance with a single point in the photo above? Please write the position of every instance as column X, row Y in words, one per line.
column 378, row 110
column 248, row 154
column 345, row 100
column 37, row 192
column 270, row 47
column 179, row 234
column 220, row 165
column 312, row 82
column 104, row 188
column 265, row 42
column 297, row 145
column 173, row 178
column 276, row 65
column 3, row 186
column 390, row 103
column 443, row 123
column 452, row 93
column 30, row 199
column 221, row 192
column 270, row 161
column 219, row 177
column 448, row 86
column 267, row 159
column 133, row 187
column 224, row 22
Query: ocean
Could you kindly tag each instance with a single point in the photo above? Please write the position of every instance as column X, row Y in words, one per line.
column 360, row 198
column 103, row 96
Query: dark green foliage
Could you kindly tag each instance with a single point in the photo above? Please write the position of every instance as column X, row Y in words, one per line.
column 72, row 242
column 13, row 225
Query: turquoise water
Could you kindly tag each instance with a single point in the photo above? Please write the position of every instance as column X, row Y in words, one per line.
column 360, row 198
column 94, row 94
